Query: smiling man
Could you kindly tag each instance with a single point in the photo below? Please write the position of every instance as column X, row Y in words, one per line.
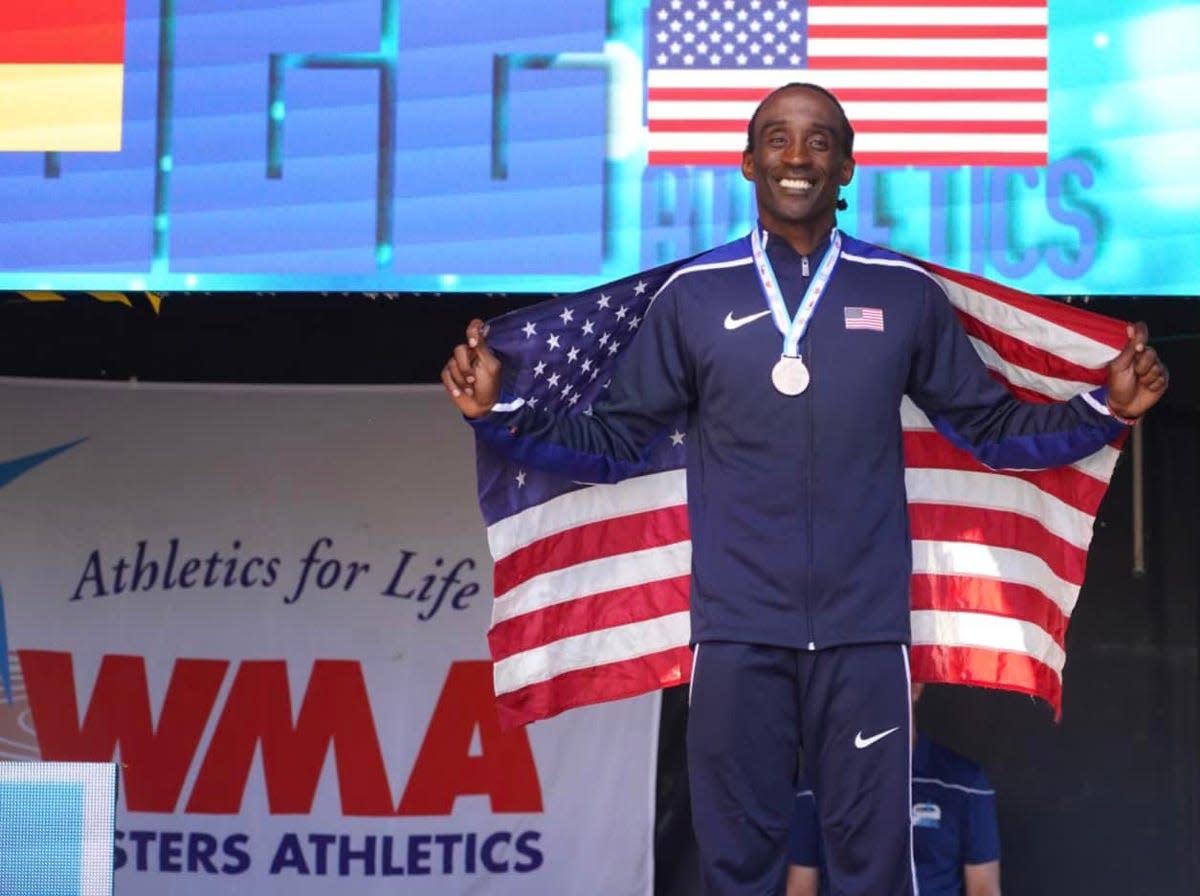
column 790, row 350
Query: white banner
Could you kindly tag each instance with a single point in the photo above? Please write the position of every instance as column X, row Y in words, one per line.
column 269, row 604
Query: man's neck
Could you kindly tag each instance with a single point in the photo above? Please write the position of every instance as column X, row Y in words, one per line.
column 804, row 238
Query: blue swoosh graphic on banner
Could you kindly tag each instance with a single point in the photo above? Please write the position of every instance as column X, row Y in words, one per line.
column 10, row 470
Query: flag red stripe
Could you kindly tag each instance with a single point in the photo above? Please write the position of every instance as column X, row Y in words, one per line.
column 859, row 94
column 943, row 94
column 975, row 595
column 62, row 31
column 987, row 668
column 927, row 448
column 999, row 529
column 1031, row 357
column 891, row 126
column 923, row 63
column 728, row 158
column 902, row 32
column 607, row 609
column 607, row 538
column 595, row 684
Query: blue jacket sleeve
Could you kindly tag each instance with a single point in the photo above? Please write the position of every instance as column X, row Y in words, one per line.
column 981, row 833
column 651, row 388
column 950, row 383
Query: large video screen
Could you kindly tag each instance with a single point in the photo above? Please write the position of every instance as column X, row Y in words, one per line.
column 545, row 145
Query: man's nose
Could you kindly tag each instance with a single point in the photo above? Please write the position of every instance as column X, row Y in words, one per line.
column 796, row 152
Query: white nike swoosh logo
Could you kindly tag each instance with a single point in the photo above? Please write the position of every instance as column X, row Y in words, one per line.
column 863, row 742
column 732, row 323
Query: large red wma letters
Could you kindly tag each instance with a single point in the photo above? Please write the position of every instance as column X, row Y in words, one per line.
column 335, row 711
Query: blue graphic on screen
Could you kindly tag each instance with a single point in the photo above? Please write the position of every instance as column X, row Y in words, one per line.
column 41, row 827
column 57, row 828
column 464, row 145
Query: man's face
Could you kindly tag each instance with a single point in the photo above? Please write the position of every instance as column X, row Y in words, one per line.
column 798, row 161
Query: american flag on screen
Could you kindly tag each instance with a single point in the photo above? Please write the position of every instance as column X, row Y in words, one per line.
column 591, row 582
column 923, row 82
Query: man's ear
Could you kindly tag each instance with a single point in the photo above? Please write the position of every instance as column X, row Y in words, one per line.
column 748, row 165
column 847, row 171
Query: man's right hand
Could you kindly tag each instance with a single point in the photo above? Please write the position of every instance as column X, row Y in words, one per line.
column 472, row 375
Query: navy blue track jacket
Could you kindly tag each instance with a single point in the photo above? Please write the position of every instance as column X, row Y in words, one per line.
column 797, row 504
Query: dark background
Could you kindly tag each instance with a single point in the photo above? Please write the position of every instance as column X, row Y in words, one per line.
column 1107, row 801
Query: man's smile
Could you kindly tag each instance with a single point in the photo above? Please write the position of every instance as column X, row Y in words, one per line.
column 795, row 184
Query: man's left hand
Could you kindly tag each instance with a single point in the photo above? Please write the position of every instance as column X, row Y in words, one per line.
column 1137, row 377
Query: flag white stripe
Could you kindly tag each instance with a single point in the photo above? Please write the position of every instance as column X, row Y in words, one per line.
column 593, row 577
column 912, row 417
column 733, row 141
column 926, row 15
column 608, row 645
column 588, row 505
column 1099, row 465
column 822, row 48
column 733, row 110
column 995, row 491
column 999, row 564
column 769, row 79
column 939, row 627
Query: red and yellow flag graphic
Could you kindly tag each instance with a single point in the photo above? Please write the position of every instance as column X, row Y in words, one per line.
column 61, row 74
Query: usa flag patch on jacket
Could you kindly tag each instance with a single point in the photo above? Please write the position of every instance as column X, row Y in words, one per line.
column 864, row 319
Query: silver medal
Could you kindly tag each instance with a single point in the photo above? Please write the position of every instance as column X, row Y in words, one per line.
column 789, row 375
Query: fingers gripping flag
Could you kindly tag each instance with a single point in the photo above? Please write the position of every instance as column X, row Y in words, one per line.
column 591, row 581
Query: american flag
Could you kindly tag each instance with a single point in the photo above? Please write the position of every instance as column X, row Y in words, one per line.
column 591, row 581
column 863, row 319
column 924, row 82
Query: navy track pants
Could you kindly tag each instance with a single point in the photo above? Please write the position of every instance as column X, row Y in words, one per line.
column 753, row 709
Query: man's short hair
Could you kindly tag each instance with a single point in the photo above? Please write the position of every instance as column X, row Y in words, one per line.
column 847, row 134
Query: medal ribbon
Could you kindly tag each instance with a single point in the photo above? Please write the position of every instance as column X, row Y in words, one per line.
column 793, row 329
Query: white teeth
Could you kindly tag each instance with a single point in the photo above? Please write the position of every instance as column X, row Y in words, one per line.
column 789, row 183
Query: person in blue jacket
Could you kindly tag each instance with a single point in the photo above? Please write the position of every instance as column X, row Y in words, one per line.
column 956, row 839
column 801, row 554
